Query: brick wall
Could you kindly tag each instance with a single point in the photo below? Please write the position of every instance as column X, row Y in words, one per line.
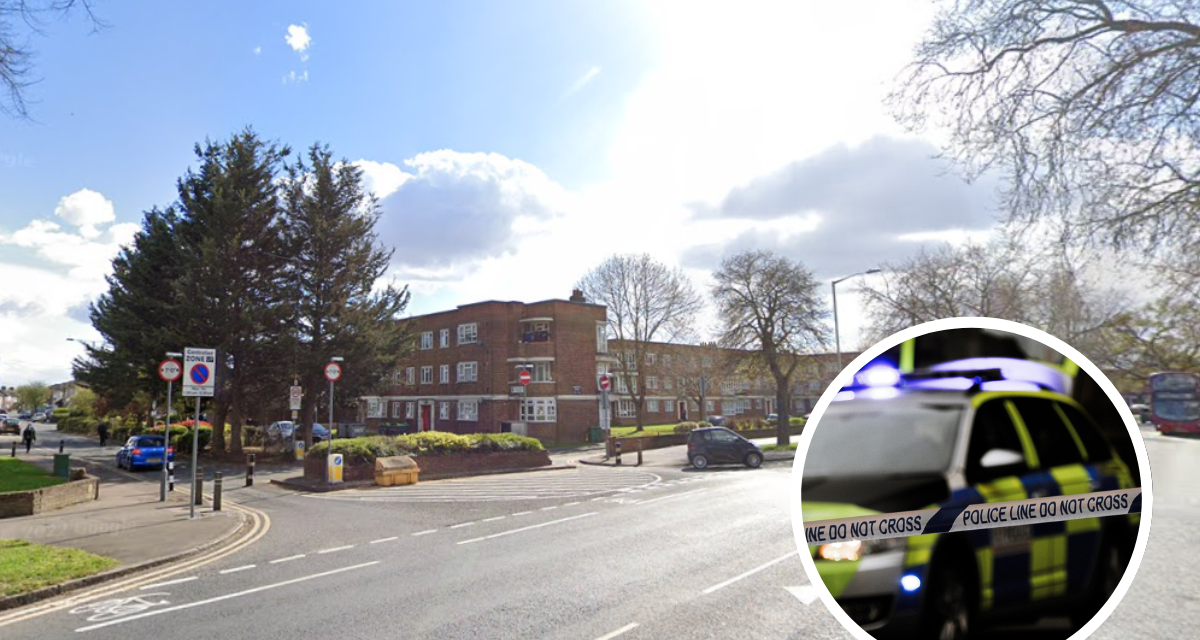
column 27, row 503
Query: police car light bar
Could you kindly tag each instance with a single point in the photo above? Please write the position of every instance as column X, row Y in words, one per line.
column 970, row 374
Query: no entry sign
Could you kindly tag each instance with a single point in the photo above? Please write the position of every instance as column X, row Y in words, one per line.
column 199, row 375
column 605, row 382
column 525, row 377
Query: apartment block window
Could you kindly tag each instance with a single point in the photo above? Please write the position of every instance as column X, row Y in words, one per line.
column 395, row 409
column 631, row 361
column 708, row 406
column 601, row 338
column 535, row 332
column 444, row 370
column 651, row 382
column 443, row 411
column 445, row 338
column 651, row 359
column 427, row 375
column 468, row 410
column 539, row 410
column 410, row 375
column 410, row 410
column 541, row 372
column 374, row 408
column 468, row 372
column 622, row 385
column 666, row 359
column 670, row 406
column 814, row 385
column 468, row 333
column 397, row 376
column 667, row 384
column 652, row 406
column 426, row 339
column 625, row 408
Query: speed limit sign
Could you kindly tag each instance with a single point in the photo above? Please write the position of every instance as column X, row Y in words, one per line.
column 169, row 370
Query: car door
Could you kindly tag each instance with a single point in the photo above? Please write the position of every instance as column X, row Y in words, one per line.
column 725, row 446
column 126, row 451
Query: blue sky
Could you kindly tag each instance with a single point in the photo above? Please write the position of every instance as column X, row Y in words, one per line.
column 513, row 145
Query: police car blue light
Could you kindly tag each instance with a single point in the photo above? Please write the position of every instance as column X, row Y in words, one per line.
column 910, row 582
column 878, row 376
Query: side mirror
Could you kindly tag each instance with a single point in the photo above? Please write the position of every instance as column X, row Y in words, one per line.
column 1000, row 458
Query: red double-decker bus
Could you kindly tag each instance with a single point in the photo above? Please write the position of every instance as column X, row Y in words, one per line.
column 1175, row 401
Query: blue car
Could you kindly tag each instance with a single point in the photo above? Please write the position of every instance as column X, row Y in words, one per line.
column 143, row 451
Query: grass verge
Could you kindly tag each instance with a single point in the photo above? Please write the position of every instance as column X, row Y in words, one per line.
column 650, row 430
column 25, row 566
column 18, row 475
column 776, row 447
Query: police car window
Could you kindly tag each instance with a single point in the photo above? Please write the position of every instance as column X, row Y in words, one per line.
column 1096, row 446
column 1054, row 444
column 874, row 438
column 992, row 429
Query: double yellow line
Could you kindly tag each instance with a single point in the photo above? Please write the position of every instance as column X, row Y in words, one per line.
column 259, row 524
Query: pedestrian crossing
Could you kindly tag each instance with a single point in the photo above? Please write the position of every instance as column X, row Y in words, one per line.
column 579, row 483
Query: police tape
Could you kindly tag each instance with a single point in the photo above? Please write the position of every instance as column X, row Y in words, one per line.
column 989, row 515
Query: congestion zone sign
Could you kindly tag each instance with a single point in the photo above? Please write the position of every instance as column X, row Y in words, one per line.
column 198, row 378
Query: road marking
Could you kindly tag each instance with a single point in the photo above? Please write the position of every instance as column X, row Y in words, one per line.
column 629, row 627
column 600, row 498
column 349, row 546
column 493, row 519
column 549, row 508
column 384, row 540
column 522, row 513
column 226, row 596
column 169, row 582
column 296, row 557
column 464, row 524
column 236, row 569
column 534, row 526
column 424, row 533
column 570, row 504
column 806, row 594
column 670, row 497
column 748, row 573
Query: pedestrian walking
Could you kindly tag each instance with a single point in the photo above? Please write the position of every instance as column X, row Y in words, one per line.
column 103, row 431
column 29, row 436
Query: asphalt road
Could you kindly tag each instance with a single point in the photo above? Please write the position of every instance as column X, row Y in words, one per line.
column 590, row 553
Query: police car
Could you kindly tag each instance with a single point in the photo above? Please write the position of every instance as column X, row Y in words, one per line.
column 965, row 432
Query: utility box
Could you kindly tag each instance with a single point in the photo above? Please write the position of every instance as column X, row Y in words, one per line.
column 299, row 449
column 62, row 465
column 396, row 470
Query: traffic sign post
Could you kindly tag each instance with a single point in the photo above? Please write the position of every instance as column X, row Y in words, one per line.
column 333, row 373
column 199, row 381
column 604, row 381
column 169, row 370
column 295, row 397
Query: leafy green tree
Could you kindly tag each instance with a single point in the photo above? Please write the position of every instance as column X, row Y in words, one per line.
column 84, row 401
column 33, row 395
column 335, row 266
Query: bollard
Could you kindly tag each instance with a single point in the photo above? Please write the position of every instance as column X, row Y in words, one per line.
column 639, row 463
column 14, row 453
column 199, row 486
column 250, row 470
column 170, row 475
column 217, row 491
column 618, row 447
column 61, row 444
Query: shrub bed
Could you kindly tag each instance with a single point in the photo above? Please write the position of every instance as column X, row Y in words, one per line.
column 426, row 443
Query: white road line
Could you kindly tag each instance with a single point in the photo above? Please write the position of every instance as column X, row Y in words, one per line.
column 349, row 546
column 570, row 504
column 295, row 557
column 549, row 508
column 535, row 526
column 463, row 524
column 169, row 582
column 384, row 540
column 600, row 498
column 805, row 594
column 424, row 533
column 236, row 569
column 672, row 496
column 522, row 513
column 609, row 636
column 748, row 573
column 247, row 592
column 493, row 519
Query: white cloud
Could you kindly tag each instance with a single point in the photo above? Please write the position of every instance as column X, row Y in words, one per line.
column 295, row 78
column 298, row 39
column 582, row 82
column 381, row 178
column 86, row 209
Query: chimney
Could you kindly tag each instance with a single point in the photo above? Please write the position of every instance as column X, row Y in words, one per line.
column 577, row 296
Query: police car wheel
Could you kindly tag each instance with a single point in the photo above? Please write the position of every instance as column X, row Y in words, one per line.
column 948, row 610
column 700, row 462
column 753, row 460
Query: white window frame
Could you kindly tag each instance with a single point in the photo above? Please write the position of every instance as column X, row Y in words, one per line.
column 631, row 361
column 668, row 384
column 542, row 372
column 708, row 406
column 468, row 410
column 622, row 384
column 410, row 410
column 601, row 337
column 427, row 374
column 666, row 359
column 625, row 408
column 396, row 409
column 467, row 372
column 443, row 410
column 468, row 333
column 410, row 376
column 444, row 334
column 444, row 374
column 652, row 406
column 651, row 382
column 426, row 340
column 669, row 406
column 651, row 359
column 539, row 410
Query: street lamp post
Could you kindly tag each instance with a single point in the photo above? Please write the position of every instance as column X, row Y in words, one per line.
column 837, row 336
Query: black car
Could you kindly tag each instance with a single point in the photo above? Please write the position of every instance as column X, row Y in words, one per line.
column 718, row 445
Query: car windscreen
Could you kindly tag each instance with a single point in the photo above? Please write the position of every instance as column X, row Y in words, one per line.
column 883, row 438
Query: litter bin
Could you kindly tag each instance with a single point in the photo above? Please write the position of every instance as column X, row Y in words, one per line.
column 595, row 434
column 62, row 465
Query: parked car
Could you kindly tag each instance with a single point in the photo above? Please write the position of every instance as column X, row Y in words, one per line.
column 39, row 417
column 288, row 430
column 143, row 451
column 25, row 416
column 715, row 421
column 10, row 425
column 718, row 445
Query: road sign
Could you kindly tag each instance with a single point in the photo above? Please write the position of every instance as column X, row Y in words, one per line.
column 199, row 372
column 294, row 399
column 525, row 377
column 169, row 370
column 333, row 371
column 605, row 382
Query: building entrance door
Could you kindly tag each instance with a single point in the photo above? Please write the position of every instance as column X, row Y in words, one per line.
column 426, row 417
column 683, row 410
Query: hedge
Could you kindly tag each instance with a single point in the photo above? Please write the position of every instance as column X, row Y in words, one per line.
column 426, row 443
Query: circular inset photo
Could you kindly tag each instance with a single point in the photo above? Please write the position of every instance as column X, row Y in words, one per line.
column 971, row 477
